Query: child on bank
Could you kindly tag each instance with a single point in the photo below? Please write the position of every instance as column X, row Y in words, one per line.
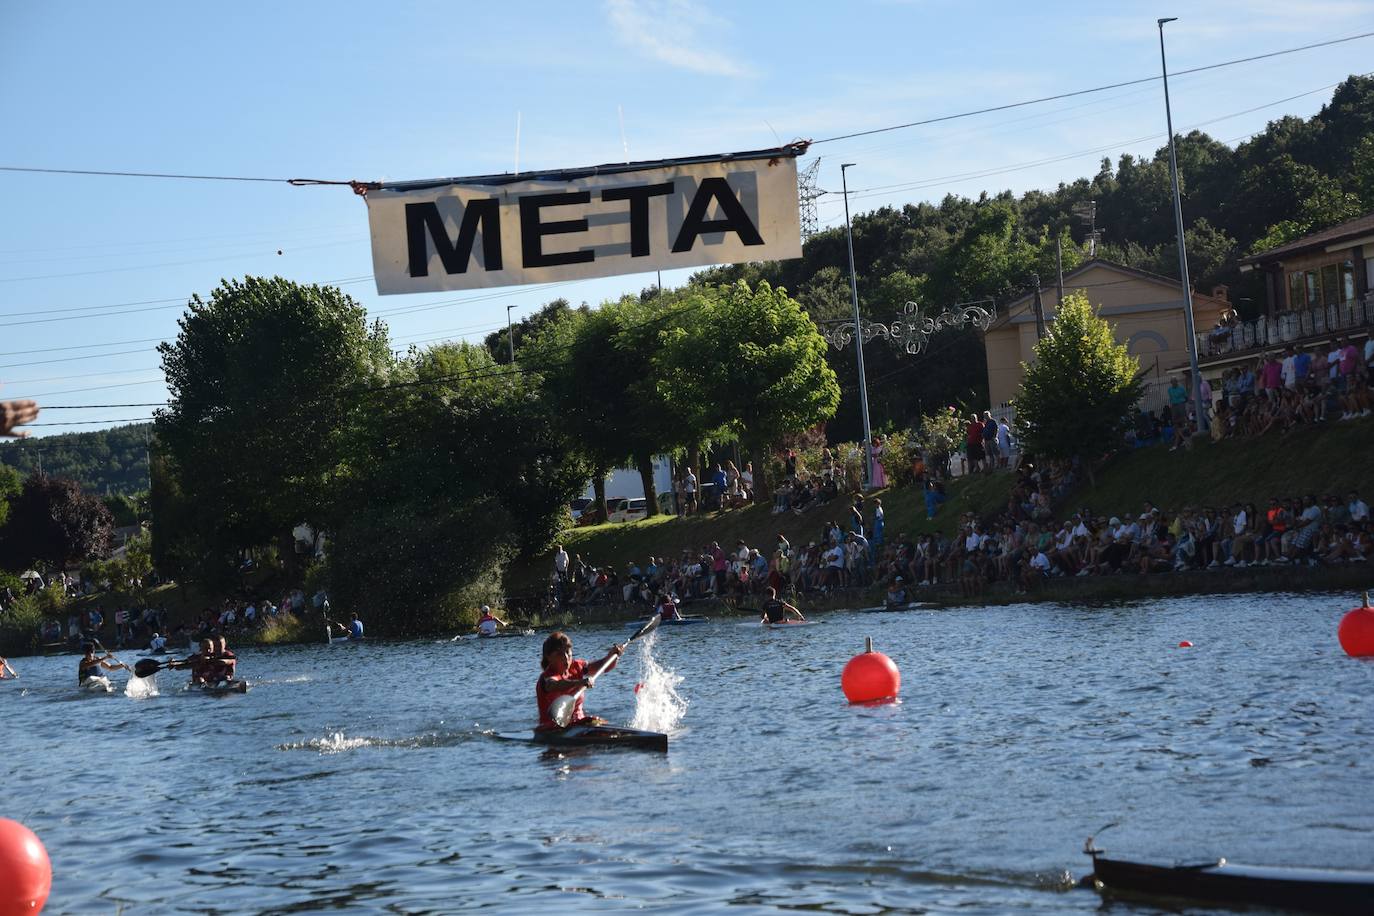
column 564, row 675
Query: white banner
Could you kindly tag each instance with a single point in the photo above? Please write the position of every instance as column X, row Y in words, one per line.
column 505, row 231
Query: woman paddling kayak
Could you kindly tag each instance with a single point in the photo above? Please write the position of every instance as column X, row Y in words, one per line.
column 667, row 607
column 489, row 623
column 91, row 666
column 564, row 675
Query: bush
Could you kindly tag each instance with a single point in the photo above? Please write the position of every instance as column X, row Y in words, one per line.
column 21, row 622
column 285, row 627
column 901, row 451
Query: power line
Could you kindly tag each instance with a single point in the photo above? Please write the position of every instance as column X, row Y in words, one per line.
column 1078, row 92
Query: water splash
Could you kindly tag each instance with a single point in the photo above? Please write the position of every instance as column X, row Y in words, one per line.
column 141, row 688
column 658, row 706
column 334, row 743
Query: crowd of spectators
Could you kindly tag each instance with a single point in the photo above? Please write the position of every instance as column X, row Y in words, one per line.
column 1027, row 550
column 1281, row 390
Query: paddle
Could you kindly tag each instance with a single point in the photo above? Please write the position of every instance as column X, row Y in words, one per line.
column 147, row 667
column 110, row 655
column 561, row 709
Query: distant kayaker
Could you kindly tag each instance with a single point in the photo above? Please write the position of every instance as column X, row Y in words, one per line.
column 564, row 675
column 158, row 643
column 775, row 610
column 489, row 623
column 92, row 665
column 351, row 630
column 667, row 607
column 5, row 667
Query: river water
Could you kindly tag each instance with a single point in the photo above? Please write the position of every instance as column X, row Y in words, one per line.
column 364, row 778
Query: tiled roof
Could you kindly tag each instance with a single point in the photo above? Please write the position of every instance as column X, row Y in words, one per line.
column 1351, row 228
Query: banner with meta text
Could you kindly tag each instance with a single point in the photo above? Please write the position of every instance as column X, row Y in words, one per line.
column 545, row 229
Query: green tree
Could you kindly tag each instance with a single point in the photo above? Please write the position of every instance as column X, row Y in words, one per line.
column 267, row 382
column 1077, row 396
column 11, row 482
column 749, row 361
column 470, row 469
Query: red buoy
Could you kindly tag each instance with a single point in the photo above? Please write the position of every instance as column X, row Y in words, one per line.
column 1185, row 645
column 870, row 676
column 25, row 871
column 1356, row 631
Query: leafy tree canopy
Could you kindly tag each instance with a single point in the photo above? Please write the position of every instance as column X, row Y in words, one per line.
column 1078, row 394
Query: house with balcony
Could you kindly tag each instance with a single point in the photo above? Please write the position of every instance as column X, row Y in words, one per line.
column 1144, row 309
column 1316, row 287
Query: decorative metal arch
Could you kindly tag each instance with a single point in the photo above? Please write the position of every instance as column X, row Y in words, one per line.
column 912, row 331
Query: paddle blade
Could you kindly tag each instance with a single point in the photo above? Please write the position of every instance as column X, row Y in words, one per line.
column 146, row 667
column 561, row 709
column 646, row 629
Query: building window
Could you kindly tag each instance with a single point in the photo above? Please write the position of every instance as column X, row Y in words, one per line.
column 1331, row 288
column 1314, row 289
column 1296, row 296
column 1348, row 281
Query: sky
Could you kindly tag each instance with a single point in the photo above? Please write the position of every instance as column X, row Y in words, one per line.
column 95, row 270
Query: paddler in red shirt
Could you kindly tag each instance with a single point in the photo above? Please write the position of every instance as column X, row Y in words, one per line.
column 203, row 664
column 564, row 675
column 667, row 607
column 225, row 661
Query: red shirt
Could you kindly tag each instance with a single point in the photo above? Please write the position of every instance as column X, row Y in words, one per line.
column 545, row 696
column 975, row 433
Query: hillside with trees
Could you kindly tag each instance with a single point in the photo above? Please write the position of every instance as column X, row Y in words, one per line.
column 105, row 462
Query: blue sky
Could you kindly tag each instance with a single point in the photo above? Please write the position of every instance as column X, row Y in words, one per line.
column 94, row 270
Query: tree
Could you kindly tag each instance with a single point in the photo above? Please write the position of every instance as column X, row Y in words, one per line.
column 53, row 522
column 1076, row 398
column 749, row 361
column 267, row 382
column 472, row 468
column 11, row 483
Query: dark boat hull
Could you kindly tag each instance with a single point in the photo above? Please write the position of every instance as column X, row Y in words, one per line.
column 1314, row 890
column 676, row 622
column 609, row 736
column 221, row 688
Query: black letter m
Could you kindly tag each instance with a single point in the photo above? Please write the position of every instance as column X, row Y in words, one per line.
column 422, row 219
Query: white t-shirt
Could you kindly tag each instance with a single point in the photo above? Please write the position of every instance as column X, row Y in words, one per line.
column 1369, row 351
column 1239, row 522
column 1289, row 372
column 1065, row 539
column 835, row 557
column 1334, row 357
column 560, row 561
column 487, row 626
column 1359, row 511
column 972, row 541
column 1081, row 531
column 1040, row 561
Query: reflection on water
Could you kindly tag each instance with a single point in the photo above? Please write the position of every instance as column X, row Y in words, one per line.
column 372, row 778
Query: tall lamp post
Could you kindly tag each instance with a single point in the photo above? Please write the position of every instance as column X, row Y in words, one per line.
column 858, row 334
column 1182, row 250
column 510, row 335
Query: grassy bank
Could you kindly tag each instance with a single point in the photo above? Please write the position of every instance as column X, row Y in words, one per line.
column 1334, row 457
column 1331, row 458
column 616, row 545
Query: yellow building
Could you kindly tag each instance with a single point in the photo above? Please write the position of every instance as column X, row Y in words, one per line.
column 1145, row 311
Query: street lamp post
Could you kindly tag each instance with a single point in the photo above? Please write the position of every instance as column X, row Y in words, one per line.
column 1182, row 249
column 510, row 335
column 858, row 334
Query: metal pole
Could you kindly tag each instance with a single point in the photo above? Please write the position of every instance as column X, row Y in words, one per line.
column 1182, row 250
column 858, row 334
column 510, row 335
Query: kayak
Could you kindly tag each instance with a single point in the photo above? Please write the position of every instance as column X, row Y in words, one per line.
column 98, row 684
column 787, row 624
column 1318, row 890
column 610, row 736
column 220, row 688
column 677, row 622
